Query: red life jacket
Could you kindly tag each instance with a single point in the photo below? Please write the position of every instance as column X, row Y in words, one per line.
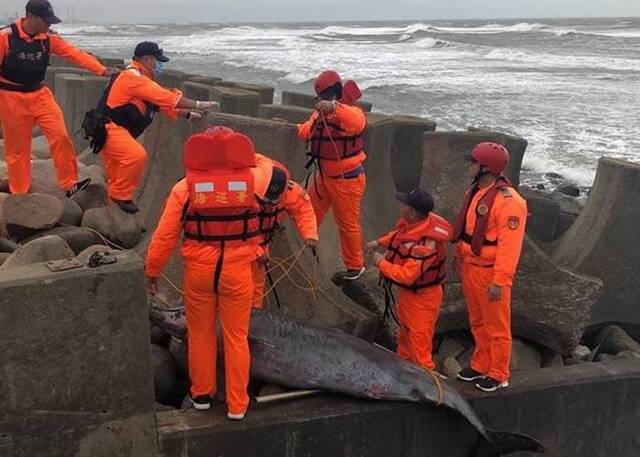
column 402, row 247
column 222, row 209
column 483, row 211
column 25, row 63
column 329, row 142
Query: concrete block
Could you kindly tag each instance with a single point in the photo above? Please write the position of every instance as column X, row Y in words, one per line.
column 291, row 114
column 196, row 91
column 545, row 211
column 601, row 242
column 319, row 427
column 406, row 150
column 50, row 79
column 236, row 101
column 265, row 92
column 172, row 79
column 208, row 80
column 76, row 366
column 587, row 409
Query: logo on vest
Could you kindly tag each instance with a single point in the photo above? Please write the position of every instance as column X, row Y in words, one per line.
column 483, row 210
column 513, row 222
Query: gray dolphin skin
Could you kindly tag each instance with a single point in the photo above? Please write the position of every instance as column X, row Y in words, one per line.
column 294, row 354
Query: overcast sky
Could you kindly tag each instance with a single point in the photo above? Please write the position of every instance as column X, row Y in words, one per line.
column 326, row 10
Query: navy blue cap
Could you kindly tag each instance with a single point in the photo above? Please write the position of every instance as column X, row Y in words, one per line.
column 148, row 48
column 43, row 10
column 418, row 199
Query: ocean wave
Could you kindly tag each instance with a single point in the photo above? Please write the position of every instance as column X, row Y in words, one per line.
column 493, row 28
column 563, row 61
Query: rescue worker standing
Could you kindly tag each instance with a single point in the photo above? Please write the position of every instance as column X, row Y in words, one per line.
column 130, row 103
column 489, row 230
column 25, row 50
column 282, row 196
column 334, row 134
column 415, row 261
column 215, row 210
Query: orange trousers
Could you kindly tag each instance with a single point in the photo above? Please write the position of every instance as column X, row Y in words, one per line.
column 233, row 302
column 18, row 114
column 490, row 322
column 344, row 197
column 124, row 160
column 418, row 315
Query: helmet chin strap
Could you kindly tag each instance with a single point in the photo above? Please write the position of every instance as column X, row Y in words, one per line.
column 483, row 171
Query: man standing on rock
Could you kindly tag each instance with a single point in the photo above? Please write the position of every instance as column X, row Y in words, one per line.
column 415, row 262
column 490, row 230
column 282, row 196
column 130, row 102
column 334, row 134
column 25, row 51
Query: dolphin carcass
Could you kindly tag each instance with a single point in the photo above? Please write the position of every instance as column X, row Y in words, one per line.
column 294, row 354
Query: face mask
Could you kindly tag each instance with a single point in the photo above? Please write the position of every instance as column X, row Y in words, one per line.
column 157, row 71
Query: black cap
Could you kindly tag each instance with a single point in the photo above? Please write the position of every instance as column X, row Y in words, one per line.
column 148, row 48
column 418, row 199
column 43, row 10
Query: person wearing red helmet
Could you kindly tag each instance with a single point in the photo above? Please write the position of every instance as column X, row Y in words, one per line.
column 214, row 210
column 334, row 136
column 489, row 231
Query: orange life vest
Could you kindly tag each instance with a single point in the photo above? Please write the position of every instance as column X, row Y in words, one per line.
column 329, row 142
column 222, row 208
column 402, row 247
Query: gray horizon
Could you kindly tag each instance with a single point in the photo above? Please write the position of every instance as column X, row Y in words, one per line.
column 168, row 11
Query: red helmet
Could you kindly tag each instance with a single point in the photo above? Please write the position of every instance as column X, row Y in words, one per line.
column 327, row 79
column 494, row 156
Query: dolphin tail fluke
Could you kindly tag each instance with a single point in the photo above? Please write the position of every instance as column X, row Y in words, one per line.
column 504, row 443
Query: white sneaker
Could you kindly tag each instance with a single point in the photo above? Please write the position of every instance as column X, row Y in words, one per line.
column 236, row 417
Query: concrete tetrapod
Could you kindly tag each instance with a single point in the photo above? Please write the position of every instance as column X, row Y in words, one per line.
column 551, row 304
column 601, row 243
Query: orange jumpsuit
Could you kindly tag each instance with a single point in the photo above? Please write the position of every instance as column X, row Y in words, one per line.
column 490, row 321
column 297, row 204
column 20, row 111
column 123, row 157
column 417, row 310
column 233, row 301
column 331, row 190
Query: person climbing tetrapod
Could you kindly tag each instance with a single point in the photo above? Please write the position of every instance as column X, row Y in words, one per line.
column 334, row 136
